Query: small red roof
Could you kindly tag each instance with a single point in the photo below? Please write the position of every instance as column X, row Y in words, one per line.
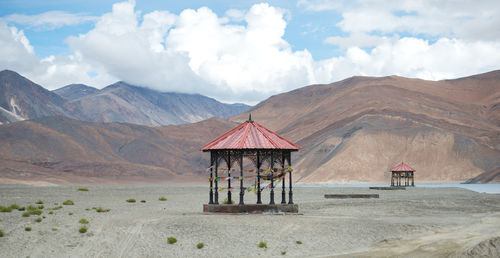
column 250, row 135
column 403, row 168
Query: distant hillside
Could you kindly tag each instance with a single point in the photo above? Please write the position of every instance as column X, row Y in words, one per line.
column 355, row 130
column 122, row 102
column 64, row 151
column 75, row 91
column 21, row 99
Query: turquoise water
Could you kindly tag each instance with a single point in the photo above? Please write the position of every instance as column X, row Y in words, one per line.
column 480, row 188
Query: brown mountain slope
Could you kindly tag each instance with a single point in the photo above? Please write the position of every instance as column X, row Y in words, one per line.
column 63, row 150
column 355, row 130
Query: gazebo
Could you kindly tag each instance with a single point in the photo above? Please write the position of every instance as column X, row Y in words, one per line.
column 261, row 146
column 402, row 172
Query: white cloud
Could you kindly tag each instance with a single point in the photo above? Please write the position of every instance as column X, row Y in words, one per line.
column 242, row 56
column 49, row 20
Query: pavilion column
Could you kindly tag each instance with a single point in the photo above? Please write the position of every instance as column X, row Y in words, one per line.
column 229, row 178
column 412, row 179
column 259, row 200
column 283, row 193
column 211, row 198
column 407, row 178
column 290, row 193
column 392, row 178
column 272, row 180
column 216, row 201
column 241, row 180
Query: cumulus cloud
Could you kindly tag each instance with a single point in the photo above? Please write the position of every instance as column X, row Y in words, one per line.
column 49, row 20
column 242, row 56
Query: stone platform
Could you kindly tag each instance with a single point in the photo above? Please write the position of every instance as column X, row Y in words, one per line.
column 348, row 196
column 250, row 208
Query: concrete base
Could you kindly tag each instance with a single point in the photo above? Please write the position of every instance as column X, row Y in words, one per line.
column 348, row 196
column 250, row 208
column 388, row 188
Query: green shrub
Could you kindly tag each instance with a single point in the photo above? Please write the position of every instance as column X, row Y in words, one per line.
column 27, row 229
column 200, row 245
column 38, row 220
column 143, row 201
column 14, row 207
column 298, row 242
column 21, row 208
column 36, row 212
column 100, row 209
column 40, row 207
column 31, row 207
column 83, row 189
column 54, row 229
column 58, row 207
column 226, row 201
column 51, row 212
column 163, row 198
column 83, row 229
column 172, row 240
column 26, row 214
column 87, row 209
column 1, row 233
column 71, row 213
column 283, row 252
column 262, row 245
column 83, row 221
column 68, row 202
column 131, row 200
column 5, row 209
column 39, row 202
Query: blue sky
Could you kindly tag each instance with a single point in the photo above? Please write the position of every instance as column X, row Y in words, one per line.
column 245, row 51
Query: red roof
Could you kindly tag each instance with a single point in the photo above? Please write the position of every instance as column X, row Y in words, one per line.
column 250, row 135
column 403, row 168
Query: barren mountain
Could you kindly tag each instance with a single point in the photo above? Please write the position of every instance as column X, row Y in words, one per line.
column 355, row 130
column 64, row 151
column 21, row 99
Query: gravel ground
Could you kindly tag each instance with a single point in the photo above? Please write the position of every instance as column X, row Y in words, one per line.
column 417, row 222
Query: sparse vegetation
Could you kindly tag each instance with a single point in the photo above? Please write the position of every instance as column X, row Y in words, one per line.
column 40, row 207
column 58, row 207
column 298, row 242
column 83, row 189
column 83, row 221
column 32, row 210
column 54, row 229
column 38, row 220
column 71, row 213
column 27, row 229
column 39, row 202
column 21, row 208
column 283, row 252
column 143, row 201
column 163, row 198
column 226, row 201
column 131, row 200
column 83, row 229
column 262, row 245
column 87, row 209
column 51, row 212
column 100, row 209
column 5, row 209
column 14, row 207
column 1, row 233
column 172, row 240
column 68, row 202
column 26, row 214
column 200, row 245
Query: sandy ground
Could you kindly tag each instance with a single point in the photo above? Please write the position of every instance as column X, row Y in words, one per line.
column 418, row 222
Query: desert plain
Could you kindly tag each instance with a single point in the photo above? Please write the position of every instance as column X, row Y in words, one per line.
column 417, row 222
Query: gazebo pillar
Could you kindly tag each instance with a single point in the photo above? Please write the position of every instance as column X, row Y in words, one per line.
column 271, row 197
column 241, row 179
column 283, row 193
column 412, row 179
column 211, row 198
column 290, row 193
column 229, row 178
column 216, row 201
column 259, row 201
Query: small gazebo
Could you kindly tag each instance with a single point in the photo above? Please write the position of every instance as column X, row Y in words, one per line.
column 267, row 152
column 402, row 172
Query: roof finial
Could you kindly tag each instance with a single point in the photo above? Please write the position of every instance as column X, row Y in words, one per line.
column 250, row 118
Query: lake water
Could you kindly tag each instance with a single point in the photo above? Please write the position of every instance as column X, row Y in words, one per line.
column 480, row 188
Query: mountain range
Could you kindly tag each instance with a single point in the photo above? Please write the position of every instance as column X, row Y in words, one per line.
column 352, row 131
column 21, row 99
